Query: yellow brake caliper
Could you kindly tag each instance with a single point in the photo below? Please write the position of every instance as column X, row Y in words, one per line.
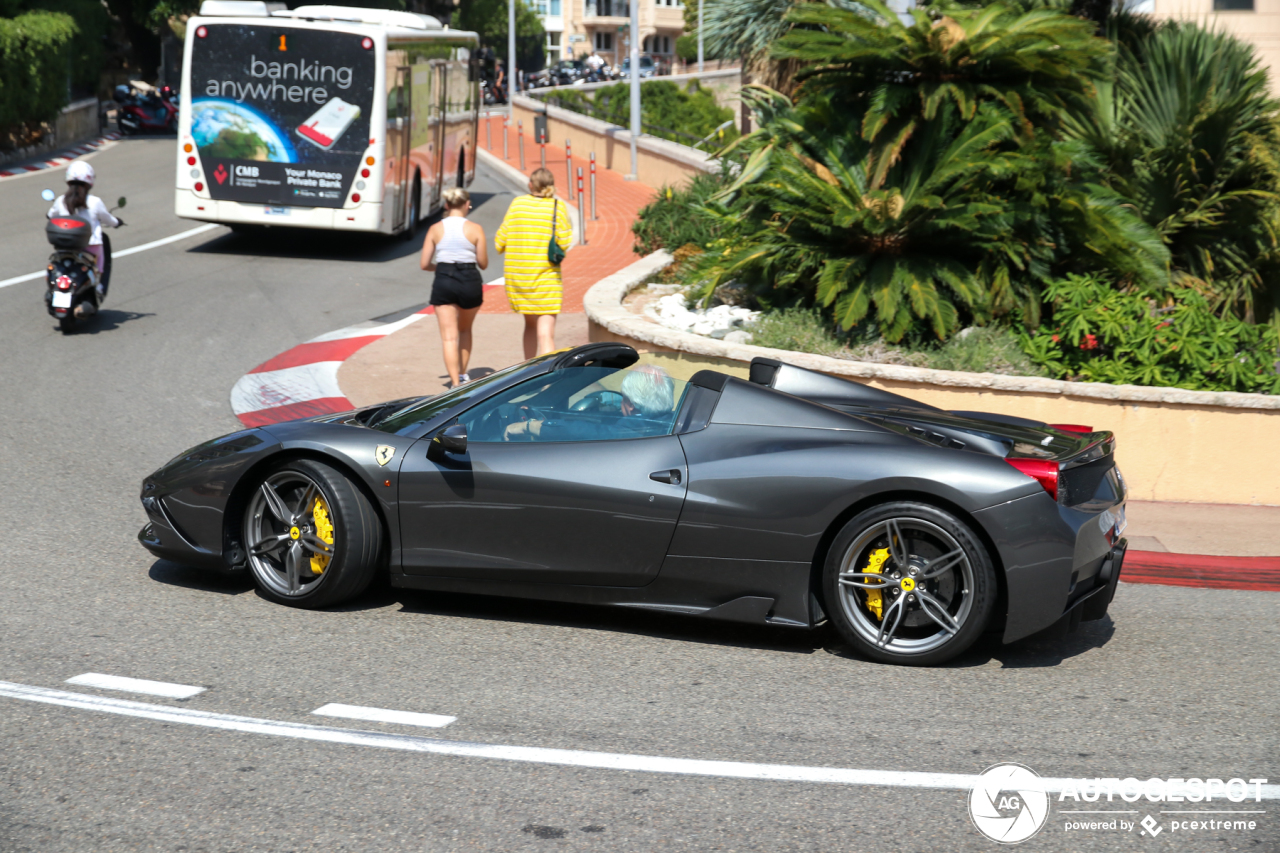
column 875, row 566
column 324, row 530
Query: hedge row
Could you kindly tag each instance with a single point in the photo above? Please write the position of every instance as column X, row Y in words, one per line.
column 34, row 62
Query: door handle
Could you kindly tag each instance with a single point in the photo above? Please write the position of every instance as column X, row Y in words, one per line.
column 672, row 476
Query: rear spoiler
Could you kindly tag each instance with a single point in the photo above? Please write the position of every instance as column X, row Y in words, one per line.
column 824, row 389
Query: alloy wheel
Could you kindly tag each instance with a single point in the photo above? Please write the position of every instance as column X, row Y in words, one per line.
column 906, row 585
column 289, row 534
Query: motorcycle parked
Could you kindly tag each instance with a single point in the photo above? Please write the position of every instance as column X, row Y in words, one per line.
column 148, row 110
column 72, row 274
column 492, row 93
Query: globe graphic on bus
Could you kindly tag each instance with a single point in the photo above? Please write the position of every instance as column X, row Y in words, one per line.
column 231, row 131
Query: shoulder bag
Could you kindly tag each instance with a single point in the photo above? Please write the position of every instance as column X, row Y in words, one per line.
column 554, row 253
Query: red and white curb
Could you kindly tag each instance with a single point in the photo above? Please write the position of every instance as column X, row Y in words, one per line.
column 303, row 382
column 62, row 158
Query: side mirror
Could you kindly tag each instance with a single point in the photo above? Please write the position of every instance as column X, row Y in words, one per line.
column 120, row 202
column 48, row 195
column 454, row 438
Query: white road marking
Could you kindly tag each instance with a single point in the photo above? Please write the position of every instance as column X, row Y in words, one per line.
column 136, row 685
column 382, row 715
column 298, row 384
column 529, row 754
column 154, row 244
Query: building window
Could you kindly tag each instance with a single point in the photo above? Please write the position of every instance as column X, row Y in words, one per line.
column 555, row 8
column 553, row 48
column 604, row 41
column 608, row 8
column 1233, row 5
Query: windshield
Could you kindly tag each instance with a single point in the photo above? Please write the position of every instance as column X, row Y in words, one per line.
column 421, row 411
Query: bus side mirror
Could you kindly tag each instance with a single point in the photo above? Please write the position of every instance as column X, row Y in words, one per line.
column 120, row 202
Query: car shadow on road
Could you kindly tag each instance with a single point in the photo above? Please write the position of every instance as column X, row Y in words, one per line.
column 176, row 574
column 621, row 620
column 1050, row 647
column 321, row 244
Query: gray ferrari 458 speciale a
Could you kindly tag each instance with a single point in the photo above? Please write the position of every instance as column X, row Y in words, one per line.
column 596, row 475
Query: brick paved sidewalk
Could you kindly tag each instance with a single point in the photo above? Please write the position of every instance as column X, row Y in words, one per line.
column 609, row 238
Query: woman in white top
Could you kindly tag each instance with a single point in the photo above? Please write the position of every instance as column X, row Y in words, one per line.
column 79, row 202
column 455, row 249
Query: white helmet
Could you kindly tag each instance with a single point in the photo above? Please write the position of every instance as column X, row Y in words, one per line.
column 80, row 171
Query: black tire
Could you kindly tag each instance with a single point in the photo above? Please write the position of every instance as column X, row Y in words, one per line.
column 462, row 169
column 941, row 600
column 354, row 555
column 415, row 212
column 67, row 324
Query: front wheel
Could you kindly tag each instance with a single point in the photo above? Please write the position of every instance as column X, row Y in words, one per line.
column 312, row 537
column 909, row 583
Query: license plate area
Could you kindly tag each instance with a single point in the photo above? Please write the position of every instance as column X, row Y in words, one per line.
column 62, row 299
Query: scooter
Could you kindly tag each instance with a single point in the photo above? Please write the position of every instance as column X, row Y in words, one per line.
column 154, row 111
column 72, row 273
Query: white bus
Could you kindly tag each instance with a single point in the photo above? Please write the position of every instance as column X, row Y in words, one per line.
column 323, row 116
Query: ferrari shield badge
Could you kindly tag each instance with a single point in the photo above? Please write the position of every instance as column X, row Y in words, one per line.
column 384, row 453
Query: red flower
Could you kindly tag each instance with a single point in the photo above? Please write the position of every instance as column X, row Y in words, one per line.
column 1055, row 339
column 1089, row 342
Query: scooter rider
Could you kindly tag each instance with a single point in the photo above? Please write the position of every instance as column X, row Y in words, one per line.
column 78, row 201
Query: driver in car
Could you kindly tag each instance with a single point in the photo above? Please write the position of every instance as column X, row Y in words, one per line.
column 647, row 390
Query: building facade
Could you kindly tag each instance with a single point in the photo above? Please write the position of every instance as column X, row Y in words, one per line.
column 1253, row 21
column 577, row 28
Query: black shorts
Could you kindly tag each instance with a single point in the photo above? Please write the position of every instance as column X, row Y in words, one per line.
column 457, row 285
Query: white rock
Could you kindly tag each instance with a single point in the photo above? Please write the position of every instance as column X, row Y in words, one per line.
column 673, row 312
column 738, row 337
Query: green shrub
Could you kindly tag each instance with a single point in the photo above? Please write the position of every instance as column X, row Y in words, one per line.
column 678, row 217
column 796, row 329
column 977, row 349
column 1101, row 334
column 680, row 114
column 34, row 63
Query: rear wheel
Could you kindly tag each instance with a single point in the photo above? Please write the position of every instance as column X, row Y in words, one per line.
column 909, row 583
column 67, row 324
column 312, row 537
column 415, row 211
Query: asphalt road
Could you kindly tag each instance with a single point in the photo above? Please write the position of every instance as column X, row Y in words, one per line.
column 1178, row 683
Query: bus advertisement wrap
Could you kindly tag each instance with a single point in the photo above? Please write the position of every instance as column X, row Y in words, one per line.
column 280, row 116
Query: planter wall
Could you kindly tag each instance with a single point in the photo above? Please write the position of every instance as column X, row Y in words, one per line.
column 1172, row 444
column 661, row 163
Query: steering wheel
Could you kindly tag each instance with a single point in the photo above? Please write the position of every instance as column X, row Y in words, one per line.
column 529, row 413
column 599, row 401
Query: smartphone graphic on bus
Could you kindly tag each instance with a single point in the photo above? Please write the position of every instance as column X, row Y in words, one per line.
column 327, row 124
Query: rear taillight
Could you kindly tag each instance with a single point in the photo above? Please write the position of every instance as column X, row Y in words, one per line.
column 1043, row 471
column 63, row 282
column 1072, row 428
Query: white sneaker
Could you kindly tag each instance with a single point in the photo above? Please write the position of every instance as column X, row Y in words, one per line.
column 101, row 291
column 463, row 378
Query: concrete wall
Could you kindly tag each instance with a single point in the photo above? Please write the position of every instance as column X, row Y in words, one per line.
column 661, row 163
column 1172, row 444
column 77, row 122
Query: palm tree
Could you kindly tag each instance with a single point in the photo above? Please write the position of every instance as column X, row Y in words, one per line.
column 1039, row 63
column 1188, row 134
column 927, row 239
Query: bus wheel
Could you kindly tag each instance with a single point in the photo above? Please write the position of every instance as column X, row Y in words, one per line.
column 411, row 228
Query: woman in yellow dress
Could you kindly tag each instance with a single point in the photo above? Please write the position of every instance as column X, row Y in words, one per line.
column 532, row 281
